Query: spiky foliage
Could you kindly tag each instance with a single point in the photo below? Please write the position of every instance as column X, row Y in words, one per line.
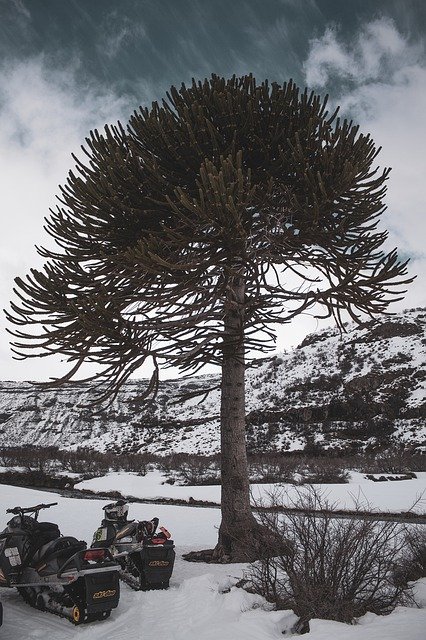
column 225, row 186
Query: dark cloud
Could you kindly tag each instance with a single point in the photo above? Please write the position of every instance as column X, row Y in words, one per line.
column 166, row 42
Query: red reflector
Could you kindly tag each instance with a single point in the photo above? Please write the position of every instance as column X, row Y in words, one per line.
column 94, row 554
column 158, row 540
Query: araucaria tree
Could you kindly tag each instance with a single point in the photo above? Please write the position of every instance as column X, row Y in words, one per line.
column 182, row 235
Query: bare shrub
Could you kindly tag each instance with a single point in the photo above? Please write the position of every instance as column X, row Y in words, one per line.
column 42, row 459
column 85, row 462
column 170, row 464
column 337, row 569
column 323, row 470
column 398, row 460
column 191, row 469
column 139, row 462
column 276, row 467
column 272, row 467
column 413, row 561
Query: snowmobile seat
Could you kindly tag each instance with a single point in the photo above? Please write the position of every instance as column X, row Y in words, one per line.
column 64, row 546
column 43, row 533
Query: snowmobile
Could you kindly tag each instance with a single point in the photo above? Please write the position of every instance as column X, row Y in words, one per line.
column 146, row 556
column 56, row 573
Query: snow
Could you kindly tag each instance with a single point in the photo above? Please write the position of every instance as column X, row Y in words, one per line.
column 68, row 514
column 417, row 395
column 402, row 624
column 56, row 473
column 202, row 602
column 395, row 496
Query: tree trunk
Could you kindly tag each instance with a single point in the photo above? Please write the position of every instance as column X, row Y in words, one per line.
column 238, row 524
column 241, row 537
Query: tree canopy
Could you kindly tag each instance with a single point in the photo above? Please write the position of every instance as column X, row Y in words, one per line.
column 225, row 178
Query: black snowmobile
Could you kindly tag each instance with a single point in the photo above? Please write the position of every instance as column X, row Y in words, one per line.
column 56, row 573
column 146, row 556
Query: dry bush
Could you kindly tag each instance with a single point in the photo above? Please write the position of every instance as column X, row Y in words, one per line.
column 400, row 461
column 199, row 470
column 397, row 460
column 42, row 459
column 323, row 470
column 136, row 462
column 299, row 469
column 191, row 469
column 337, row 569
column 170, row 464
column 413, row 562
column 86, row 462
column 272, row 467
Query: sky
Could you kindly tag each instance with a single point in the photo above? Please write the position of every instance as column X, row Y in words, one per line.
column 68, row 66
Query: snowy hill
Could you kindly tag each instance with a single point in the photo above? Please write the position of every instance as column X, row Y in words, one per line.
column 365, row 387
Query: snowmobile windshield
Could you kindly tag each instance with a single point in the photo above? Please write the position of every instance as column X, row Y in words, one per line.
column 116, row 511
column 22, row 522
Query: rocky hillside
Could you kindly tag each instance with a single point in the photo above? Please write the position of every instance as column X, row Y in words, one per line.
column 365, row 388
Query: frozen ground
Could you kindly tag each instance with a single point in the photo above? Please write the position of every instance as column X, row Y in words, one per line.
column 198, row 605
column 394, row 496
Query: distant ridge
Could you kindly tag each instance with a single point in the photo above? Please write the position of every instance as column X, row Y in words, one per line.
column 363, row 389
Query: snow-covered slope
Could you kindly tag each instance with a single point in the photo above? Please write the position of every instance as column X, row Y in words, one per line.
column 365, row 387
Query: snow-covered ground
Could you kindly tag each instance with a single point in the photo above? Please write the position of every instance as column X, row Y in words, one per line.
column 395, row 496
column 201, row 604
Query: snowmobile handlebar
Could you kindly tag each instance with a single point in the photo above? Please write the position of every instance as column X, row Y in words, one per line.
column 36, row 509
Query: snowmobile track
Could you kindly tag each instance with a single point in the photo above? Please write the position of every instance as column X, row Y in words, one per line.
column 33, row 603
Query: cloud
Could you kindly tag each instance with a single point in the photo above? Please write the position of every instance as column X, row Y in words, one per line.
column 45, row 115
column 21, row 8
column 377, row 50
column 379, row 80
column 118, row 31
